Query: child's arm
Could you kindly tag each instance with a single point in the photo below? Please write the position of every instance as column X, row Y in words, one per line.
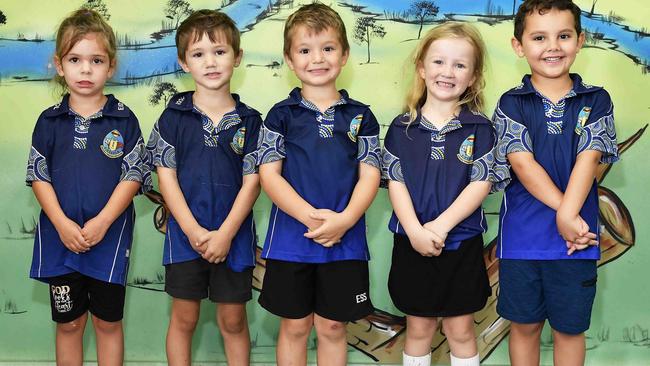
column 171, row 192
column 535, row 179
column 336, row 224
column 218, row 241
column 95, row 228
column 68, row 230
column 422, row 240
column 464, row 205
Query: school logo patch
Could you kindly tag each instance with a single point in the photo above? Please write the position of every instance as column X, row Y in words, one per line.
column 237, row 143
column 355, row 124
column 466, row 151
column 113, row 145
column 583, row 116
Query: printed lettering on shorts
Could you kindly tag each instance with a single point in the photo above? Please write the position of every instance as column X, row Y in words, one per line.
column 61, row 296
column 361, row 297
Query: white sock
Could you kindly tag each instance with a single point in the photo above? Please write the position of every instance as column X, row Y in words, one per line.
column 416, row 360
column 472, row 361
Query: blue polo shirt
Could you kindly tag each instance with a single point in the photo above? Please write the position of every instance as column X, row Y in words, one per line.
column 210, row 160
column 321, row 153
column 555, row 134
column 436, row 165
column 84, row 159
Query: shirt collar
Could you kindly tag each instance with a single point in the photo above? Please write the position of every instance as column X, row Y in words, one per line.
column 468, row 117
column 579, row 87
column 295, row 98
column 112, row 107
column 183, row 102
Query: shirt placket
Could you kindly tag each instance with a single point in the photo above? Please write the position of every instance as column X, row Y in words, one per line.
column 81, row 129
column 555, row 113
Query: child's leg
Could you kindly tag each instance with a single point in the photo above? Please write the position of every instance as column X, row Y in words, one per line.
column 292, row 341
column 332, row 342
column 462, row 340
column 524, row 343
column 568, row 349
column 419, row 336
column 233, row 324
column 69, row 341
column 184, row 316
column 110, row 342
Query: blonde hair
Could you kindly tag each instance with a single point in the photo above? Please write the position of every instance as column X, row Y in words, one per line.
column 316, row 17
column 473, row 96
column 75, row 27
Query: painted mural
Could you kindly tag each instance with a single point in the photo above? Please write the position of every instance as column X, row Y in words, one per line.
column 382, row 34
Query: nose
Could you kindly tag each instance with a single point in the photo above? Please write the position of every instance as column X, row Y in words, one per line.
column 553, row 44
column 85, row 67
column 211, row 60
column 318, row 57
column 448, row 70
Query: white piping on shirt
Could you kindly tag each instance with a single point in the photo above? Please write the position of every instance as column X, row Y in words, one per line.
column 119, row 241
column 272, row 230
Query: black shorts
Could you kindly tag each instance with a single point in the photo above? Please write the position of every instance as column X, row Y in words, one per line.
column 199, row 279
column 454, row 283
column 72, row 294
column 337, row 290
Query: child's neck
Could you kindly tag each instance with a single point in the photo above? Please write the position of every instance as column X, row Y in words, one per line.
column 86, row 106
column 323, row 97
column 214, row 103
column 439, row 113
column 553, row 89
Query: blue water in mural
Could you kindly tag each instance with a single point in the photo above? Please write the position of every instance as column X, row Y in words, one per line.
column 32, row 60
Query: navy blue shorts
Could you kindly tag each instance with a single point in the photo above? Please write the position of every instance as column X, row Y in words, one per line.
column 561, row 291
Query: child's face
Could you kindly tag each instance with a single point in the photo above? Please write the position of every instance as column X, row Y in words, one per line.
column 316, row 58
column 211, row 63
column 86, row 67
column 549, row 43
column 447, row 69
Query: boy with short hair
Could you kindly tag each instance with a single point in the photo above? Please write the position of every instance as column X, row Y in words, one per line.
column 204, row 148
column 553, row 131
column 319, row 164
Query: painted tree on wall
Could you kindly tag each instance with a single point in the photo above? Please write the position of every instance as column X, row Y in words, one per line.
column 593, row 7
column 99, row 6
column 366, row 28
column 3, row 18
column 162, row 91
column 423, row 11
column 177, row 10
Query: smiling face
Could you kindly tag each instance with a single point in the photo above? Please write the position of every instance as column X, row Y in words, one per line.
column 550, row 44
column 447, row 69
column 316, row 58
column 86, row 67
column 211, row 63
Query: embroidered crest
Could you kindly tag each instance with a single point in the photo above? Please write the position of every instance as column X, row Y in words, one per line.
column 355, row 124
column 113, row 145
column 466, row 151
column 120, row 106
column 237, row 143
column 583, row 116
column 180, row 100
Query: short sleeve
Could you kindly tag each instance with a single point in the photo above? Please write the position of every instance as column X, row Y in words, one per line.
column 253, row 125
column 391, row 166
column 598, row 132
column 39, row 153
column 270, row 143
column 134, row 163
column 368, row 148
column 160, row 149
column 511, row 136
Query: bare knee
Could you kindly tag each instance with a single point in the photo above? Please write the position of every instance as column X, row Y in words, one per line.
column 297, row 328
column 533, row 330
column 330, row 329
column 459, row 331
column 105, row 327
column 232, row 324
column 420, row 328
column 75, row 327
column 184, row 321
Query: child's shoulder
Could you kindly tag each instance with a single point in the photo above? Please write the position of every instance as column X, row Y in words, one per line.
column 243, row 109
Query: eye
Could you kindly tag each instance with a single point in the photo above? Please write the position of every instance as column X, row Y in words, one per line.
column 73, row 59
column 538, row 38
column 437, row 62
column 328, row 49
column 221, row 52
column 565, row 36
column 197, row 54
column 303, row 51
column 98, row 61
column 461, row 66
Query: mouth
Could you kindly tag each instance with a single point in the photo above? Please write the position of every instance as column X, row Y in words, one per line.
column 445, row 85
column 85, row 84
column 318, row 71
column 213, row 75
column 553, row 60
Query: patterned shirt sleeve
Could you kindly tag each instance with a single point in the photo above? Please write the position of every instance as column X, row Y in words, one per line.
column 270, row 144
column 391, row 166
column 368, row 148
column 37, row 167
column 599, row 132
column 250, row 145
column 134, row 163
column 160, row 151
column 512, row 136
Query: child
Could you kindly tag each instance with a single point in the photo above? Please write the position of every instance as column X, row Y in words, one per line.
column 204, row 148
column 86, row 163
column 439, row 163
column 319, row 164
column 553, row 130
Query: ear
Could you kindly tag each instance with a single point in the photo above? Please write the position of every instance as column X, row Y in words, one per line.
column 183, row 65
column 111, row 68
column 517, row 47
column 239, row 57
column 581, row 40
column 344, row 58
column 287, row 59
column 420, row 69
column 58, row 66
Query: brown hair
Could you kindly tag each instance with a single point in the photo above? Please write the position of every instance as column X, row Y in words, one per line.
column 542, row 7
column 316, row 17
column 473, row 95
column 206, row 22
column 75, row 27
